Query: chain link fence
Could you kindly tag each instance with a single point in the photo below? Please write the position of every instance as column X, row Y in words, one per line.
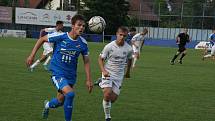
column 165, row 19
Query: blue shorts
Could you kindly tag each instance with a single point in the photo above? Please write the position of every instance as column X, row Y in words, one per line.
column 61, row 82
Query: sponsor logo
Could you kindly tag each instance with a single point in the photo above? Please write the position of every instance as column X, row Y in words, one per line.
column 28, row 16
column 68, row 17
column 46, row 18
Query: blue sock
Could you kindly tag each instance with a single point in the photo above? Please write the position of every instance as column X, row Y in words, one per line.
column 54, row 103
column 68, row 105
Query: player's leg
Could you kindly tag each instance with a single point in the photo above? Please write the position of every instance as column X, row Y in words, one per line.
column 213, row 52
column 53, row 103
column 106, row 85
column 68, row 102
column 135, row 58
column 142, row 43
column 110, row 96
column 56, row 102
column 38, row 61
column 107, row 102
column 48, row 55
column 182, row 55
column 65, row 86
column 48, row 49
column 136, row 50
column 45, row 64
column 172, row 62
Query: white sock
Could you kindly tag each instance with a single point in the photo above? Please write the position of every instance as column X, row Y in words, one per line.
column 134, row 62
column 47, row 60
column 35, row 63
column 209, row 55
column 107, row 107
column 47, row 105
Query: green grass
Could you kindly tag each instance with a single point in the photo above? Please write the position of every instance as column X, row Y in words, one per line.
column 157, row 90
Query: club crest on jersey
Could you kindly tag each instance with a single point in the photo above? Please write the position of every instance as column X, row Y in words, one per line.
column 78, row 46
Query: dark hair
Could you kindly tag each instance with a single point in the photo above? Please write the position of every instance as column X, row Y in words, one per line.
column 123, row 29
column 132, row 29
column 76, row 18
column 59, row 22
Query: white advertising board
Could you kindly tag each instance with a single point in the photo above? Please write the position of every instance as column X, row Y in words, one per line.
column 43, row 17
column 12, row 33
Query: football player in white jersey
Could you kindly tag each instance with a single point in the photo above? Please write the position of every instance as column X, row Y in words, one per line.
column 47, row 47
column 112, row 62
column 137, row 43
column 212, row 42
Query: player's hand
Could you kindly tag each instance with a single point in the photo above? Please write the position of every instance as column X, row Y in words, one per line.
column 89, row 85
column 29, row 61
column 105, row 73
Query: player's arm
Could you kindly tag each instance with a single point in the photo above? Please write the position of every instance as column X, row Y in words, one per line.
column 38, row 44
column 101, row 65
column 134, row 38
column 178, row 39
column 129, row 63
column 101, row 60
column 89, row 83
column 127, row 74
column 41, row 32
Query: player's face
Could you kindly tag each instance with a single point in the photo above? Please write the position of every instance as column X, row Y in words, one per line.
column 185, row 30
column 133, row 33
column 78, row 27
column 59, row 26
column 121, row 35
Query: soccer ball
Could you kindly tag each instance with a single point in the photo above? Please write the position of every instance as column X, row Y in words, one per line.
column 97, row 24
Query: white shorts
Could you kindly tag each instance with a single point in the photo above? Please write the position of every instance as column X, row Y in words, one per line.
column 48, row 48
column 112, row 83
column 137, row 47
column 213, row 50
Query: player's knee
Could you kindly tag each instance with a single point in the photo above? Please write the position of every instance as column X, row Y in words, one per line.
column 113, row 99
column 60, row 99
column 70, row 95
column 107, row 96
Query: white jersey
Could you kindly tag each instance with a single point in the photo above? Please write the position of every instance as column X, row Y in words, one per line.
column 50, row 30
column 48, row 47
column 137, row 39
column 116, row 58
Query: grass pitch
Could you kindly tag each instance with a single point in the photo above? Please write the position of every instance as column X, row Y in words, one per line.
column 156, row 91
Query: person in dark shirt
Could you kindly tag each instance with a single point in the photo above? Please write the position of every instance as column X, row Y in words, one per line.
column 132, row 32
column 181, row 41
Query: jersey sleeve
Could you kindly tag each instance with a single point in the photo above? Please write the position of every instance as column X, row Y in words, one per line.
column 85, row 51
column 105, row 52
column 210, row 37
column 134, row 38
column 50, row 29
column 55, row 37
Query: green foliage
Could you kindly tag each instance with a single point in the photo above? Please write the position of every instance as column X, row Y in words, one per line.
column 113, row 11
column 7, row 2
